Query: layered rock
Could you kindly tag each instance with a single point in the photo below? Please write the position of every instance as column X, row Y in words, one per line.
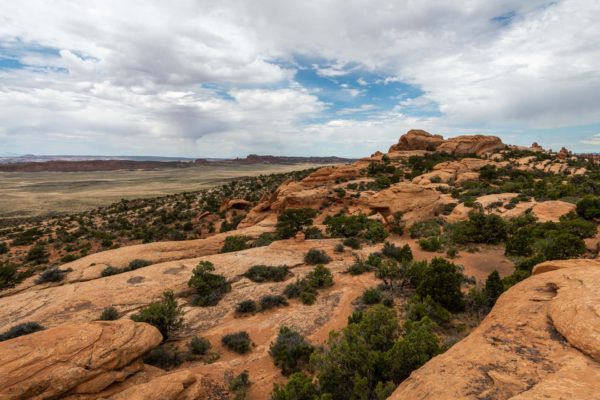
column 73, row 359
column 471, row 144
column 180, row 385
column 417, row 139
column 541, row 340
column 414, row 201
column 461, row 145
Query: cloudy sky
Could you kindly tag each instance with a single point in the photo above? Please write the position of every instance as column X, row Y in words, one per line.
column 227, row 78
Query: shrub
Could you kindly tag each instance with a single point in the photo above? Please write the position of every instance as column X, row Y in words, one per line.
column 320, row 277
column 352, row 242
column 312, row 232
column 37, row 254
column 235, row 243
column 561, row 245
column 238, row 342
column 3, row 248
column 389, row 272
column 397, row 224
column 20, row 330
column 269, row 301
column 166, row 315
column 303, row 290
column 52, row 275
column 110, row 270
column 589, row 207
column 240, row 385
column 210, row 288
column 293, row 220
column 493, row 288
column 164, row 358
column 356, row 226
column 418, row 345
column 264, row 239
column 425, row 229
column 298, row 387
column 263, row 273
column 400, row 254
column 199, row 346
column 290, row 351
column 246, row 307
column 109, row 314
column 315, row 256
column 138, row 263
column 9, row 275
column 358, row 267
column 339, row 248
column 479, row 228
column 372, row 296
column 441, row 280
column 430, row 244
column 418, row 308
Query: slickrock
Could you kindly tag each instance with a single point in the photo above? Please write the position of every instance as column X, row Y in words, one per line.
column 415, row 201
column 417, row 139
column 180, row 385
column 552, row 265
column 540, row 341
column 552, row 210
column 471, row 144
column 90, row 267
column 457, row 171
column 73, row 358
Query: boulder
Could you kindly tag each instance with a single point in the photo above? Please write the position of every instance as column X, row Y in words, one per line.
column 74, row 358
column 540, row 341
column 471, row 144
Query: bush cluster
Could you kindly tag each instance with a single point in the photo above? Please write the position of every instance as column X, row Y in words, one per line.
column 294, row 220
column 315, row 256
column 359, row 226
column 264, row 273
column 238, row 342
column 20, row 330
column 290, row 351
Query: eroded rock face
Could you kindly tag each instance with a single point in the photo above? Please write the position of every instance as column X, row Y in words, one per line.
column 541, row 340
column 414, row 201
column 73, row 359
column 417, row 139
column 471, row 144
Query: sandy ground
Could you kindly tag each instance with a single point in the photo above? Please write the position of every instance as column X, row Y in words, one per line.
column 26, row 194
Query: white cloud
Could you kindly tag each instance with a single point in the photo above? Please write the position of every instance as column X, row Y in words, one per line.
column 138, row 72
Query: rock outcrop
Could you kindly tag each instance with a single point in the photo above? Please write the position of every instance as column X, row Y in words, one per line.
column 417, row 139
column 461, row 145
column 73, row 359
column 471, row 144
column 180, row 385
column 540, row 341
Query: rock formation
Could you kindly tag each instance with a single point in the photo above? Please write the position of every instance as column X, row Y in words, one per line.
column 73, row 358
column 417, row 139
column 460, row 145
column 540, row 341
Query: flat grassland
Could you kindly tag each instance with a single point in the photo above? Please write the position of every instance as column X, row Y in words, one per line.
column 30, row 194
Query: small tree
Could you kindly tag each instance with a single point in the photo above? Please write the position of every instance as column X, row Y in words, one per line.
column 293, row 220
column 239, row 342
column 235, row 243
column 441, row 280
column 320, row 277
column 298, row 387
column 389, row 272
column 166, row 315
column 315, row 256
column 290, row 350
column 210, row 288
column 589, row 207
column 493, row 288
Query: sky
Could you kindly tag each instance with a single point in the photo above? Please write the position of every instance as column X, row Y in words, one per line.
column 203, row 78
